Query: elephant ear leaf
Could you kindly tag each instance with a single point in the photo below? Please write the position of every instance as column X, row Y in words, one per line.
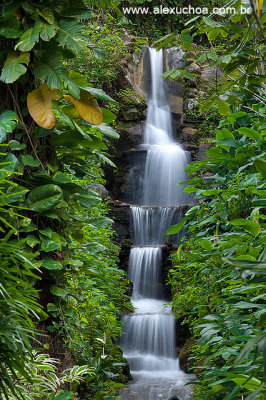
column 39, row 103
column 44, row 197
column 87, row 107
column 8, row 122
column 15, row 66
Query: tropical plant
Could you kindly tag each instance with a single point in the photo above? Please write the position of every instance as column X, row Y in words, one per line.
column 219, row 271
column 46, row 383
column 54, row 136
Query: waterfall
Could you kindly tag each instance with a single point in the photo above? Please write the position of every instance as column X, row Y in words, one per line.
column 148, row 340
column 149, row 224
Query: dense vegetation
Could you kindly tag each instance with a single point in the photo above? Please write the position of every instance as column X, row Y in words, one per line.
column 218, row 276
column 61, row 292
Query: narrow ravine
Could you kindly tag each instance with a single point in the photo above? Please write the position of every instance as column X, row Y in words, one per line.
column 148, row 340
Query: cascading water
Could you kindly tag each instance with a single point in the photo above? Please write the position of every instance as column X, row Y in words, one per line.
column 148, row 340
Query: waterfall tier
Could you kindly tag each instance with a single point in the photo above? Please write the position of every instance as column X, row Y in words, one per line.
column 144, row 270
column 149, row 224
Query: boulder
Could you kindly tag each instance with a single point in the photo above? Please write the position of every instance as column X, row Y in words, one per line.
column 188, row 134
column 210, row 74
column 120, row 214
column 174, row 58
column 131, row 114
column 194, row 68
column 136, row 132
column 189, row 61
column 100, row 189
column 203, row 147
column 190, row 104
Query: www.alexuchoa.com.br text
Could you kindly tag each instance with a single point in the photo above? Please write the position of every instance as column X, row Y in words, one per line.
column 189, row 10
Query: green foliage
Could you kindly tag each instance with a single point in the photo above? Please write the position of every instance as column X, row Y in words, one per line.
column 226, row 239
column 101, row 69
column 218, row 277
column 48, row 213
column 46, row 383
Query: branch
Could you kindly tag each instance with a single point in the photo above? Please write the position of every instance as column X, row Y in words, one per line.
column 21, row 120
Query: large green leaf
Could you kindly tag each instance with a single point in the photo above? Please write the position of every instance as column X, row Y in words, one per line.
column 107, row 130
column 71, row 86
column 248, row 226
column 53, row 243
column 31, row 240
column 88, row 198
column 58, row 291
column 250, row 133
column 70, row 35
column 44, row 197
column 260, row 164
column 108, row 116
column 247, row 382
column 8, row 121
column 51, row 264
column 50, row 69
column 14, row 66
column 29, row 38
column 79, row 79
column 15, row 145
column 10, row 27
column 98, row 94
column 29, row 160
column 176, row 228
column 223, row 107
column 97, row 51
column 47, row 14
column 48, row 31
column 99, row 222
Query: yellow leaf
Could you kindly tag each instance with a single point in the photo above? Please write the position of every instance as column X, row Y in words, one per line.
column 87, row 107
column 39, row 103
column 259, row 4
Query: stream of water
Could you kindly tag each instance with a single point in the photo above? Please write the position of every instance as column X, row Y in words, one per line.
column 148, row 340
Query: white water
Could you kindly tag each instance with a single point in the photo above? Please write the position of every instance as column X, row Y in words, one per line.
column 144, row 270
column 149, row 224
column 148, row 340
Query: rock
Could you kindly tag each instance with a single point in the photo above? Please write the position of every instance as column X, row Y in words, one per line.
column 132, row 106
column 191, row 54
column 210, row 75
column 174, row 58
column 188, row 134
column 189, row 61
column 174, row 398
column 176, row 104
column 203, row 147
column 194, row 91
column 120, row 214
column 194, row 68
column 190, row 104
column 124, row 251
column 185, row 353
column 136, row 132
column 100, row 189
column 191, row 95
column 131, row 114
